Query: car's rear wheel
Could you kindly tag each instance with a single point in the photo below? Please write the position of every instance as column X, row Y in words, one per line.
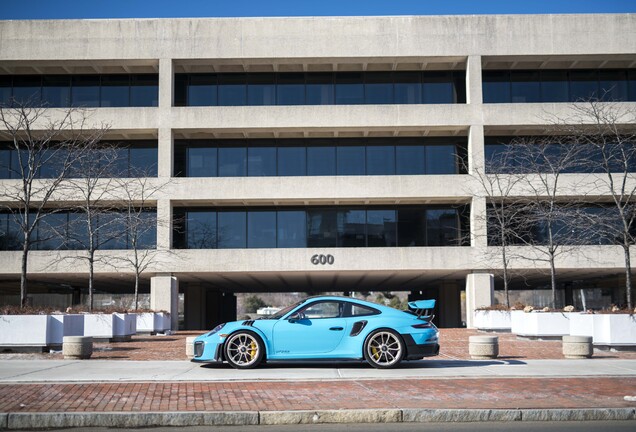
column 384, row 349
column 244, row 350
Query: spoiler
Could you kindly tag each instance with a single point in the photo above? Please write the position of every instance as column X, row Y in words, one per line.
column 423, row 309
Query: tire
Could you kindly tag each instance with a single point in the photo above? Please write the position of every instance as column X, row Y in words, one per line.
column 244, row 350
column 384, row 349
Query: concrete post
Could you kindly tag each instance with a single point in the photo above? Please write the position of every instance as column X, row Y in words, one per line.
column 166, row 83
column 476, row 149
column 164, row 295
column 480, row 291
column 478, row 226
column 165, row 152
column 473, row 80
column 164, row 224
column 166, row 142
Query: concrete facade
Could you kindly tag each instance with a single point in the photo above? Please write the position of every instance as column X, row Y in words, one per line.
column 470, row 43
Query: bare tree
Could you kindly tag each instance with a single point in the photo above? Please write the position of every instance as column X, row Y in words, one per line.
column 44, row 148
column 97, row 221
column 543, row 161
column 609, row 131
column 498, row 181
column 140, row 224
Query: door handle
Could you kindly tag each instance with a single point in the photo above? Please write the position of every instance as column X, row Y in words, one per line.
column 336, row 328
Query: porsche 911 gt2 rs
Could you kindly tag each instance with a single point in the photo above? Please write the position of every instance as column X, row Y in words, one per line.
column 325, row 328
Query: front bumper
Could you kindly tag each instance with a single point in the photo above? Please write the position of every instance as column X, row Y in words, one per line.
column 207, row 352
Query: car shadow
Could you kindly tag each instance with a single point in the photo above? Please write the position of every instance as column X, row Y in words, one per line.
column 354, row 364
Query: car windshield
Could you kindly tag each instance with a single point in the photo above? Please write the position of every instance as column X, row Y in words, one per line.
column 281, row 313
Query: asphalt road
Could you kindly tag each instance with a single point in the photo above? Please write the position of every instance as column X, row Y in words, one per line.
column 611, row 426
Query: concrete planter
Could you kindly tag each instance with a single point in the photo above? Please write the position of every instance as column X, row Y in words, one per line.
column 114, row 327
column 540, row 324
column 25, row 330
column 77, row 347
column 582, row 324
column 615, row 329
column 577, row 347
column 497, row 320
column 152, row 322
column 483, row 347
column 65, row 325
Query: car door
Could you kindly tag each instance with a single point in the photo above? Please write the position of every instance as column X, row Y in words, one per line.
column 318, row 329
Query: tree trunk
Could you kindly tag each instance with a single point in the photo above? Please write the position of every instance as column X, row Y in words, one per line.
column 136, row 290
column 505, row 277
column 553, row 281
column 628, row 277
column 23, row 272
column 91, row 269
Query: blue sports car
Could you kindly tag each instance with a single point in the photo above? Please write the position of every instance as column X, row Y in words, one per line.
column 325, row 327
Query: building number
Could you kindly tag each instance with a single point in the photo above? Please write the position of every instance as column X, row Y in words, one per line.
column 322, row 259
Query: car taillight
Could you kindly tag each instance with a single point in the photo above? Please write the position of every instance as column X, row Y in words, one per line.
column 422, row 325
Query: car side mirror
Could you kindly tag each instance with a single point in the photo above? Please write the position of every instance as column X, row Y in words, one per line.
column 295, row 317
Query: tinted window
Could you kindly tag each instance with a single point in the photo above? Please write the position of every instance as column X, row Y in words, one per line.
column 437, row 88
column 261, row 161
column 496, row 87
column 56, row 90
column 441, row 227
column 378, row 88
column 381, row 228
column 351, row 228
column 583, row 85
column 613, row 85
column 440, row 159
column 292, row 229
column 147, row 233
column 201, row 230
column 52, row 231
column 6, row 90
column 407, row 88
column 261, row 89
column 322, row 228
column 351, row 160
column 411, row 227
column 319, row 310
column 410, row 160
column 291, row 89
column 202, row 90
column 231, row 230
column 321, row 161
column 380, row 160
column 320, row 89
column 232, row 90
column 292, row 161
column 261, row 229
column 115, row 91
column 144, row 91
column 359, row 310
column 27, row 90
column 525, row 86
column 232, row 162
column 554, row 86
column 201, row 162
column 349, row 88
column 632, row 85
column 85, row 91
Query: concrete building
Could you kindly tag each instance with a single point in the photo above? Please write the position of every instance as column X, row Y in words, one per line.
column 319, row 154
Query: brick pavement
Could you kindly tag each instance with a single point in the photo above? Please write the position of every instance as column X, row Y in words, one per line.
column 517, row 393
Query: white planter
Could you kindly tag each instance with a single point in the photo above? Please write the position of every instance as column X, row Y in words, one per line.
column 65, row 325
column 153, row 322
column 24, row 330
column 110, row 326
column 614, row 329
column 492, row 320
column 540, row 324
column 582, row 324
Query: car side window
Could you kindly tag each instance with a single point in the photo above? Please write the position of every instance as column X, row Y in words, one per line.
column 326, row 309
column 359, row 310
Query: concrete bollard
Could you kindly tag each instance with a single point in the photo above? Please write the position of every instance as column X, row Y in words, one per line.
column 577, row 347
column 483, row 347
column 190, row 346
column 77, row 347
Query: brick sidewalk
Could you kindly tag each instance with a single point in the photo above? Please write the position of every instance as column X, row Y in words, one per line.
column 517, row 393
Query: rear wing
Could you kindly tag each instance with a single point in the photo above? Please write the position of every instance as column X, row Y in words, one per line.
column 423, row 309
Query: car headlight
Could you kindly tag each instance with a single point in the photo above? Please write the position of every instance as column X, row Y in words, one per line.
column 215, row 329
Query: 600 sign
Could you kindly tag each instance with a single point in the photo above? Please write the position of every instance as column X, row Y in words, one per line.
column 322, row 259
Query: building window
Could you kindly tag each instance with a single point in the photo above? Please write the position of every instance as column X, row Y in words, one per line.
column 339, row 88
column 315, row 227
column 572, row 85
column 320, row 157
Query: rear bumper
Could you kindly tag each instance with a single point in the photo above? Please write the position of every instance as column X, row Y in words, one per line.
column 417, row 351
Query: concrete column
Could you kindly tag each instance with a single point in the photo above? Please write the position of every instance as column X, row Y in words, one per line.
column 166, row 83
column 473, row 80
column 480, row 291
column 478, row 225
column 164, row 224
column 164, row 295
column 476, row 149
column 194, row 307
column 165, row 153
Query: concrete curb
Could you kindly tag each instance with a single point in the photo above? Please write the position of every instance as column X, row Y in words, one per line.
column 237, row 418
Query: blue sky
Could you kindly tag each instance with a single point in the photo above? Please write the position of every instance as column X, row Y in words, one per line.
column 60, row 9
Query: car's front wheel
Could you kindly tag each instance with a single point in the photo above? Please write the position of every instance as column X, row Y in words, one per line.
column 244, row 350
column 384, row 349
